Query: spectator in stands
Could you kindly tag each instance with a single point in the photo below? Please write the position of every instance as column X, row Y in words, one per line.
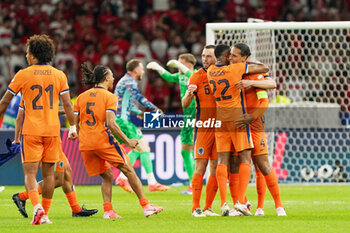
column 139, row 48
column 63, row 55
column 160, row 45
column 6, row 31
column 176, row 47
column 8, row 62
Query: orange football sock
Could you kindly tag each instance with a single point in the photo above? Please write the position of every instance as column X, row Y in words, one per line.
column 46, row 203
column 245, row 199
column 212, row 188
column 107, row 206
column 233, row 184
column 197, row 184
column 272, row 184
column 221, row 177
column 73, row 202
column 243, row 176
column 34, row 197
column 260, row 188
column 39, row 189
column 23, row 195
column 143, row 202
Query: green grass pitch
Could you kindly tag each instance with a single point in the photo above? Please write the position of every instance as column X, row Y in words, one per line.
column 309, row 209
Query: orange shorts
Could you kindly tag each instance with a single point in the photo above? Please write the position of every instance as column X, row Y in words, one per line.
column 38, row 148
column 260, row 143
column 204, row 145
column 230, row 138
column 98, row 161
column 59, row 166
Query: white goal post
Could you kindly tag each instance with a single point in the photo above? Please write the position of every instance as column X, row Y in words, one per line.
column 309, row 139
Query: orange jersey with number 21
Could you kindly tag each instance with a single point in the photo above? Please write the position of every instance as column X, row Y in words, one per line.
column 40, row 86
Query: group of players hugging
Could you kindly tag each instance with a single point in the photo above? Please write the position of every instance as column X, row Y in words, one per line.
column 229, row 88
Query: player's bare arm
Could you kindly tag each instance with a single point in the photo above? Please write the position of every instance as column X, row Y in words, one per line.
column 257, row 68
column 110, row 119
column 268, row 83
column 5, row 101
column 187, row 99
column 19, row 120
column 76, row 122
column 68, row 109
column 263, row 104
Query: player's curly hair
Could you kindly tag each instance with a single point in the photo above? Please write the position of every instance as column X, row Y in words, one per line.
column 245, row 50
column 96, row 76
column 42, row 48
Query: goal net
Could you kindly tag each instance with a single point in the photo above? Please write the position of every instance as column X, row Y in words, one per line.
column 308, row 116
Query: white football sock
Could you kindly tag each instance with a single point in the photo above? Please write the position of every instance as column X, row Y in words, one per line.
column 151, row 179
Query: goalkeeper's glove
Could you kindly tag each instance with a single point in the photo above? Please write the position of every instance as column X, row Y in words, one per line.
column 155, row 66
column 178, row 65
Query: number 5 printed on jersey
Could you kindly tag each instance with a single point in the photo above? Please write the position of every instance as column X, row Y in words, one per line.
column 89, row 111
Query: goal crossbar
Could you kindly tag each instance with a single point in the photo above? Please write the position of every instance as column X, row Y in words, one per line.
column 211, row 27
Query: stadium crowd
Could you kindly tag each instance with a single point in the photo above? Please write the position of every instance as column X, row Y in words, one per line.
column 111, row 32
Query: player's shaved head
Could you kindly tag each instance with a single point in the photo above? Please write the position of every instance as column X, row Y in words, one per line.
column 220, row 50
column 222, row 54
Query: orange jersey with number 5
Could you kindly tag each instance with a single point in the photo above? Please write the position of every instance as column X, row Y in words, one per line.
column 40, row 86
column 92, row 106
column 229, row 100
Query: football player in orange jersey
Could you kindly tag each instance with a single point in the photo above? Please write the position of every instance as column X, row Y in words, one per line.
column 204, row 138
column 257, row 103
column 41, row 86
column 95, row 109
column 63, row 177
column 230, row 105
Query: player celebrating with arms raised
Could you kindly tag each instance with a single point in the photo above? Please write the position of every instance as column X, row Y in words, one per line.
column 128, row 93
column 41, row 86
column 185, row 64
column 230, row 105
column 95, row 109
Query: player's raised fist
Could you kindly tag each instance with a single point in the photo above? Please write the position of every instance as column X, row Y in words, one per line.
column 155, row 66
column 191, row 88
